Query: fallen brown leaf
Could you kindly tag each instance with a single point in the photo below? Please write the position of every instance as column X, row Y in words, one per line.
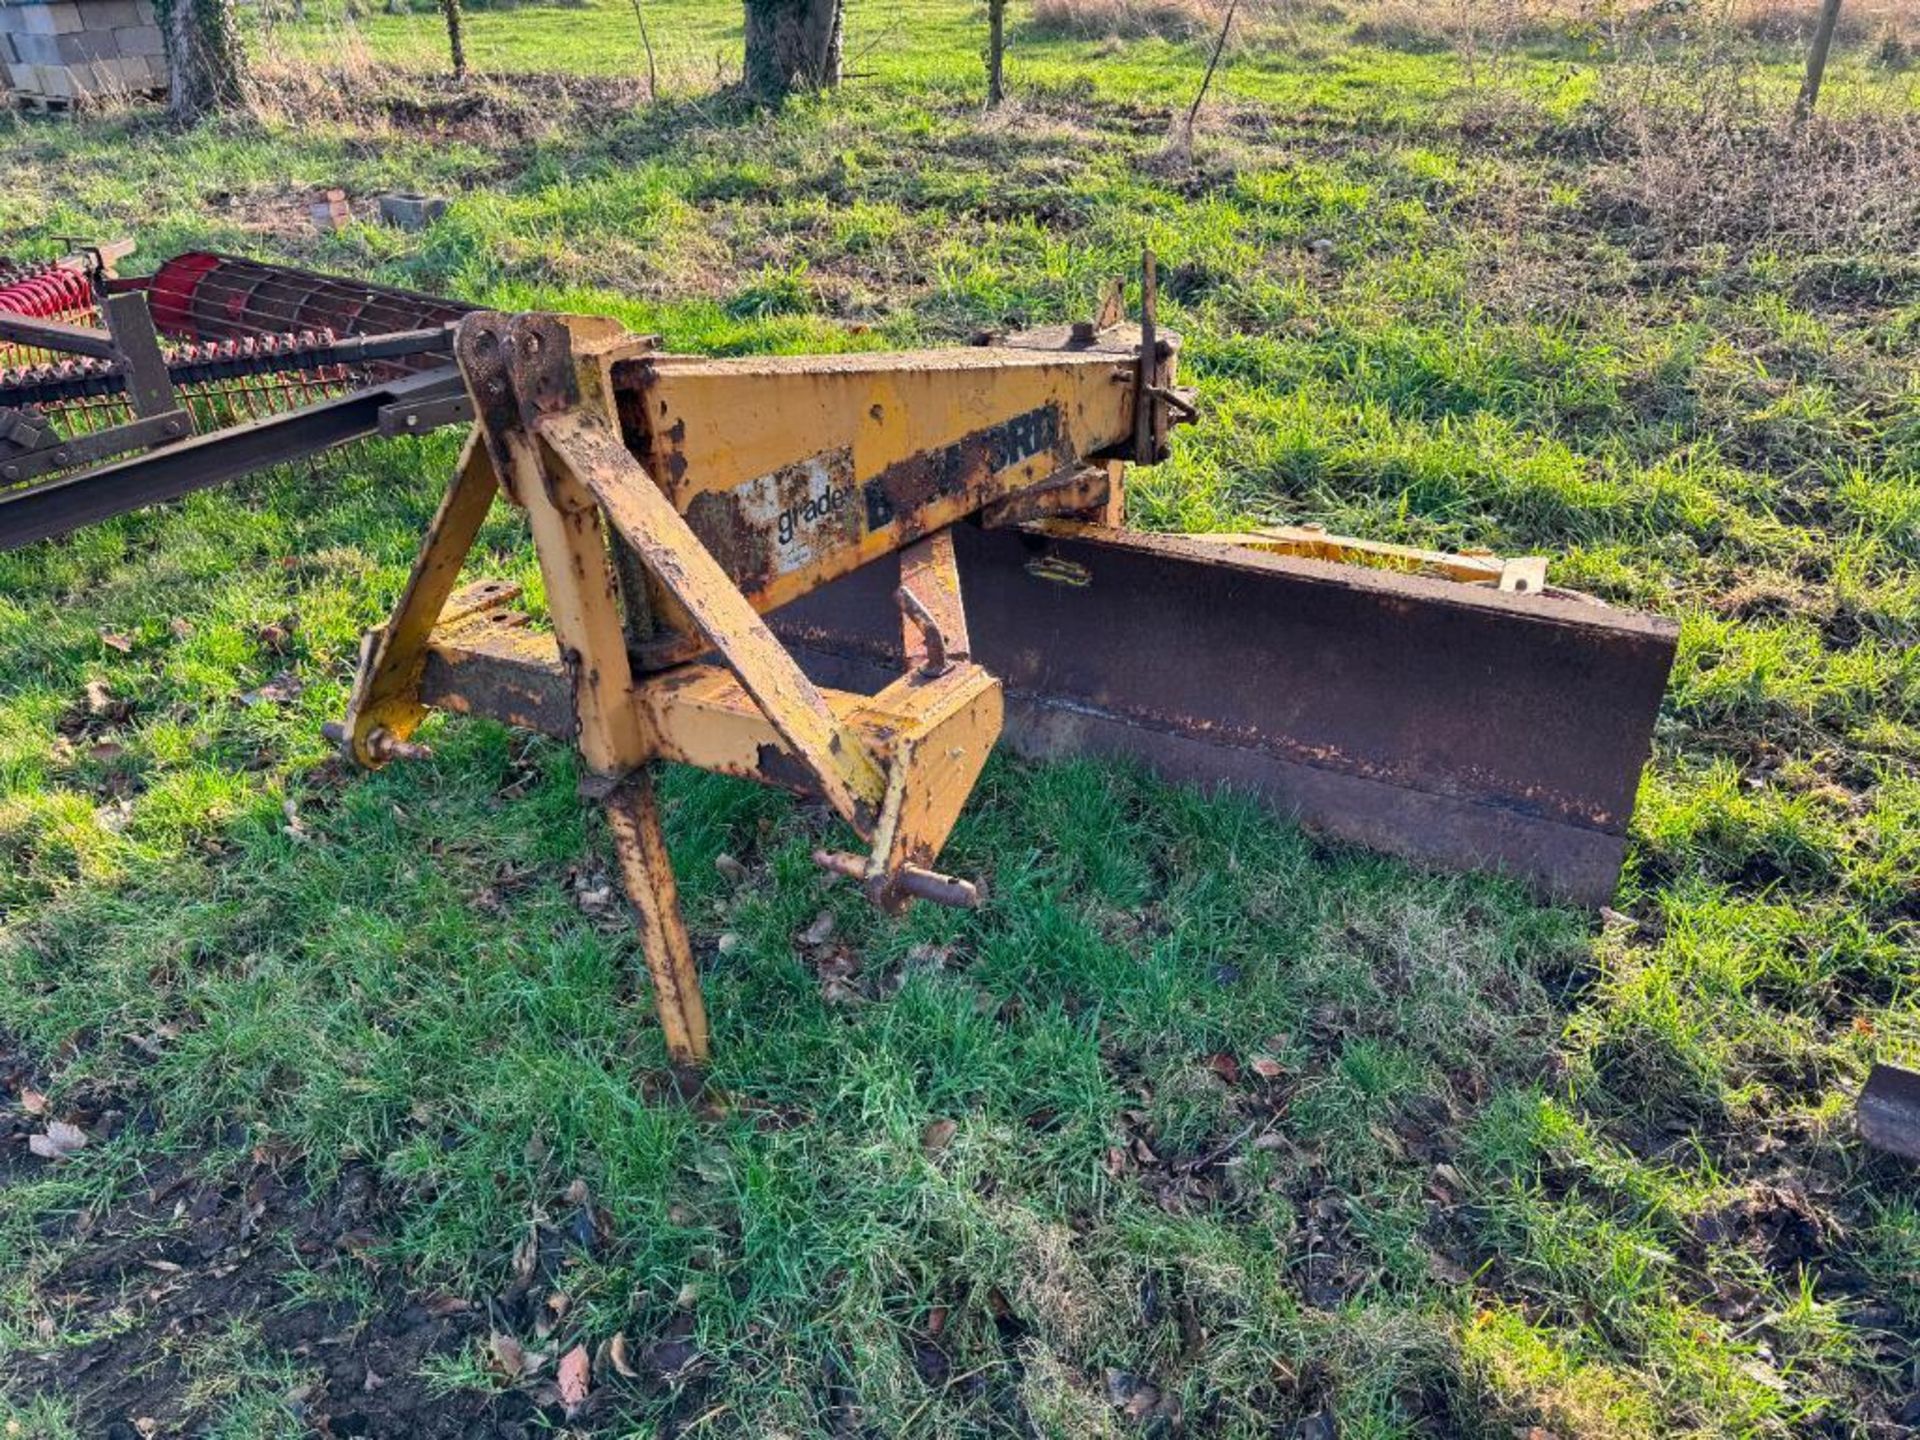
column 668, row 1358
column 820, row 931
column 507, row 1354
column 1266, row 1067
column 576, row 1378
column 114, row 640
column 33, row 1102
column 937, row 1136
column 617, row 1353
column 526, row 1255
column 59, row 1141
column 282, row 688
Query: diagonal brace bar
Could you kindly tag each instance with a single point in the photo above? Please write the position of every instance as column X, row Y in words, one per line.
column 586, row 449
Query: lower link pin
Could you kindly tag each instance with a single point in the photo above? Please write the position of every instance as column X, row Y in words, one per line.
column 381, row 744
column 911, row 881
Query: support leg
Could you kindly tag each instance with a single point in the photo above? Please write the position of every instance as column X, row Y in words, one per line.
column 633, row 814
column 386, row 695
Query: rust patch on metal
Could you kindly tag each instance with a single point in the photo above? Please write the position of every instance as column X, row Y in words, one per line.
column 780, row 523
column 778, row 766
column 900, row 492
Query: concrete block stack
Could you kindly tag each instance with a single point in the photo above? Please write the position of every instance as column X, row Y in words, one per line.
column 58, row 53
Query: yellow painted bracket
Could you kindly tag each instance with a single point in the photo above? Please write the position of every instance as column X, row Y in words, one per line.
column 585, row 448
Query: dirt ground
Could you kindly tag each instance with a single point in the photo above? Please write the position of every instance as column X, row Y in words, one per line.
column 187, row 1269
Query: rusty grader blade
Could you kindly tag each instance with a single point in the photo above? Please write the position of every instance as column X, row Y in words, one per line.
column 1454, row 724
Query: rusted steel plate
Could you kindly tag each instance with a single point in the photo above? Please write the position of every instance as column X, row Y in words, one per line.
column 1452, row 724
column 512, row 675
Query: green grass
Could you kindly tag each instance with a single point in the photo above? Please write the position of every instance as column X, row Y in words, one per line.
column 1499, row 350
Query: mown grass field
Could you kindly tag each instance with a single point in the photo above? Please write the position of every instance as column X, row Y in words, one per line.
column 1201, row 1126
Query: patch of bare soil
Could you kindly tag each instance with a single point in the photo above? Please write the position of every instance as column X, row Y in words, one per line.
column 204, row 1278
column 164, row 1276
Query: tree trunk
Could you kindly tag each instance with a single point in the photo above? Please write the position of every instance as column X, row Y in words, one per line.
column 456, row 37
column 996, row 51
column 206, row 58
column 791, row 45
column 1817, row 59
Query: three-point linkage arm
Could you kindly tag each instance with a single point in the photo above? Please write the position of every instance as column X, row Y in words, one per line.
column 673, row 500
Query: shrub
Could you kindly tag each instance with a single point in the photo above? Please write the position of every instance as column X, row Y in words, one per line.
column 1124, row 19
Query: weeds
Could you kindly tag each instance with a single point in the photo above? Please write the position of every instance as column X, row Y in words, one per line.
column 1123, row 19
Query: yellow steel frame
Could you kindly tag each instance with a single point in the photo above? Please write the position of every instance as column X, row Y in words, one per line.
column 737, row 485
column 672, row 500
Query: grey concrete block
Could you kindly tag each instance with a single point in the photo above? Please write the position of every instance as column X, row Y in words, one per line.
column 109, row 14
column 23, row 77
column 145, row 11
column 38, row 49
column 115, row 76
column 412, row 212
column 59, row 18
column 87, row 45
column 140, row 40
column 55, row 81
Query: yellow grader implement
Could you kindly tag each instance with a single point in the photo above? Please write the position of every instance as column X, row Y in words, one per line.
column 848, row 576
column 676, row 502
